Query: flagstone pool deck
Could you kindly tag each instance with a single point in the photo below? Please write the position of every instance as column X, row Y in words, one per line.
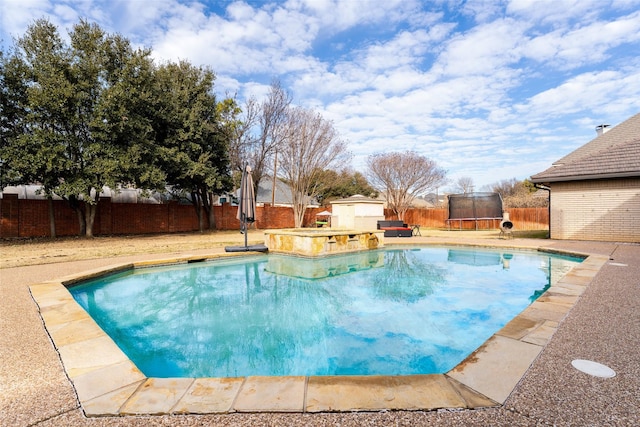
column 70, row 373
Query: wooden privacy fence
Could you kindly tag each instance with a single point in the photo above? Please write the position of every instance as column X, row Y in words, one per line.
column 522, row 218
column 30, row 218
column 529, row 218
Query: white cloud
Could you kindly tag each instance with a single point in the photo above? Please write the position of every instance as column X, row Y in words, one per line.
column 482, row 50
column 594, row 91
column 482, row 10
column 339, row 15
column 584, row 45
column 17, row 15
column 554, row 12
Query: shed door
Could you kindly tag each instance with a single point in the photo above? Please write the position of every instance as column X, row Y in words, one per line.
column 349, row 217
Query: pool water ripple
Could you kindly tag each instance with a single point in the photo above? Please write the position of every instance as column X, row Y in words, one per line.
column 384, row 312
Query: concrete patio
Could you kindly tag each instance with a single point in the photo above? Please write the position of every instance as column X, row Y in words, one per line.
column 603, row 325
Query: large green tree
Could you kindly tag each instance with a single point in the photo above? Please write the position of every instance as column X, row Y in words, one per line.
column 12, row 116
column 34, row 97
column 87, row 115
column 331, row 185
column 94, row 112
column 192, row 138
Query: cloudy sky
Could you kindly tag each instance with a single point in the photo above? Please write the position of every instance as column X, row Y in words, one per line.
column 488, row 89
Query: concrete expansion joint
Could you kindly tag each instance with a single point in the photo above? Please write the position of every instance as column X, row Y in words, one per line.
column 304, row 397
column 54, row 416
column 235, row 397
column 131, row 396
column 173, row 409
column 55, row 348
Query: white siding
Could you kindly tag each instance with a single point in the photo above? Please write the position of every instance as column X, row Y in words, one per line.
column 356, row 214
column 369, row 209
column 604, row 210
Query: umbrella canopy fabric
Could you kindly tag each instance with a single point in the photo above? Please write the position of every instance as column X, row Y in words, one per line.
column 324, row 213
column 246, row 213
column 247, row 206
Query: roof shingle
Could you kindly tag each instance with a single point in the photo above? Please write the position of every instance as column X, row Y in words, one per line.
column 614, row 154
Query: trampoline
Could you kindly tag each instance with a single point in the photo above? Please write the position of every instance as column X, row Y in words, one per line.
column 481, row 206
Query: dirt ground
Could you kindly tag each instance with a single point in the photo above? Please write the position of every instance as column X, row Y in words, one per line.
column 22, row 252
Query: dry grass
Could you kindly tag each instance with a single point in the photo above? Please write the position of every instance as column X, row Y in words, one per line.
column 21, row 252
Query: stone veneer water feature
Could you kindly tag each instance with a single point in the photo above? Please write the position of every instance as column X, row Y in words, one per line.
column 313, row 242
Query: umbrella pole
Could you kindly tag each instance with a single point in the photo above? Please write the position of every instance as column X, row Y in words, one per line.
column 246, row 231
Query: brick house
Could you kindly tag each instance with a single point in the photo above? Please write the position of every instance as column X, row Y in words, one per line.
column 595, row 190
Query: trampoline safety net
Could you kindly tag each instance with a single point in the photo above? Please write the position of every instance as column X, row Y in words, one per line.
column 475, row 205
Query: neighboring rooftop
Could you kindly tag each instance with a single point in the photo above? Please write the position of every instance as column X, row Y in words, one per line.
column 265, row 194
column 612, row 154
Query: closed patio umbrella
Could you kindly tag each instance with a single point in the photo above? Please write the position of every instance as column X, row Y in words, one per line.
column 247, row 206
column 246, row 211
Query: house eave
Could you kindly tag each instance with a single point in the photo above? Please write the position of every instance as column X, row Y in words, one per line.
column 543, row 180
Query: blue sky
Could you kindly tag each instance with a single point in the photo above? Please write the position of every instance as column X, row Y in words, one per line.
column 490, row 90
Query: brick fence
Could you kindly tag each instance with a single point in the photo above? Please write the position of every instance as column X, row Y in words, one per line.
column 30, row 218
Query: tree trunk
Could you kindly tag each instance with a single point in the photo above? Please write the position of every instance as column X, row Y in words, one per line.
column 52, row 219
column 91, row 209
column 299, row 209
column 299, row 218
column 212, row 218
column 207, row 199
column 90, row 217
column 82, row 224
column 195, row 199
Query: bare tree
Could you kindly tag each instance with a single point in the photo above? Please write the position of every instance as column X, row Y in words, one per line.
column 402, row 177
column 506, row 187
column 310, row 145
column 519, row 194
column 258, row 133
column 465, row 185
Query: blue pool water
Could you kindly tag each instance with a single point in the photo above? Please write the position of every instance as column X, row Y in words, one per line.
column 384, row 312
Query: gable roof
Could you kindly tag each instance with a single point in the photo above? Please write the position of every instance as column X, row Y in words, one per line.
column 282, row 194
column 614, row 154
column 265, row 192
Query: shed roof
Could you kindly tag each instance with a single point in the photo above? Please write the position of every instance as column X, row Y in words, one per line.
column 614, row 154
column 357, row 198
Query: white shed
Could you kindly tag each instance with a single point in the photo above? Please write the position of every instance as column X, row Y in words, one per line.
column 357, row 213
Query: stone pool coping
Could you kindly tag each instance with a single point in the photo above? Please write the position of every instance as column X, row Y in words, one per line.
column 107, row 383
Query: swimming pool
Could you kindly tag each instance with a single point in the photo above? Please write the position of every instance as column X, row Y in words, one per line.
column 384, row 312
